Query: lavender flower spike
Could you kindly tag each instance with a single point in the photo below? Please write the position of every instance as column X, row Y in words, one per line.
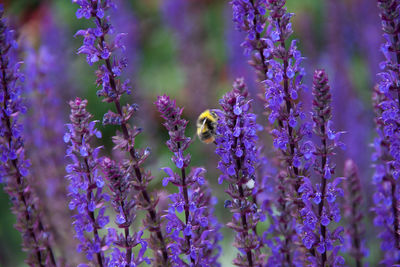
column 86, row 184
column 248, row 16
column 197, row 236
column 390, row 79
column 96, row 48
column 320, row 208
column 44, row 123
column 283, row 85
column 387, row 144
column 354, row 211
column 386, row 197
column 125, row 207
column 236, row 145
column 14, row 166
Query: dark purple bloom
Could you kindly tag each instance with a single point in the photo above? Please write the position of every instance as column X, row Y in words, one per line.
column 385, row 198
column 282, row 74
column 124, row 205
column 236, row 146
column 14, row 166
column 320, row 208
column 249, row 17
column 235, row 55
column 283, row 224
column 197, row 235
column 279, row 68
column 354, row 212
column 390, row 79
column 387, row 144
column 98, row 45
column 86, row 184
column 44, row 123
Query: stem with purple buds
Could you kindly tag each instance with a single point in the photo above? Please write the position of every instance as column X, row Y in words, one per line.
column 387, row 108
column 236, row 138
column 86, row 185
column 354, row 201
column 112, row 89
column 200, row 228
column 14, row 168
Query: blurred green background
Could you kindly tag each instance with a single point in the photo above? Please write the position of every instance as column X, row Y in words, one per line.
column 194, row 56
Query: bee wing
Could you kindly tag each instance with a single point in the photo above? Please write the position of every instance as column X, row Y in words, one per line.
column 199, row 130
column 202, row 126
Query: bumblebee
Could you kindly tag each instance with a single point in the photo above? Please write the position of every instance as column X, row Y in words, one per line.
column 206, row 126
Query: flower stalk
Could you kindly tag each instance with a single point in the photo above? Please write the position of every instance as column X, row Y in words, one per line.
column 14, row 166
column 249, row 17
column 86, row 184
column 318, row 238
column 236, row 145
column 354, row 201
column 112, row 89
column 119, row 178
column 386, row 99
column 200, row 228
column 386, row 202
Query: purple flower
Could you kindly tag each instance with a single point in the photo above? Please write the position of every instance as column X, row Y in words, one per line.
column 235, row 55
column 119, row 183
column 44, row 123
column 238, row 170
column 86, row 186
column 14, row 166
column 249, row 18
column 387, row 144
column 197, row 235
column 389, row 79
column 387, row 190
column 278, row 65
column 353, row 195
column 100, row 45
column 322, row 197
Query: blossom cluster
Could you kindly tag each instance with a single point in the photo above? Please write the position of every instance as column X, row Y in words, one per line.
column 387, row 143
column 86, row 183
column 283, row 187
column 197, row 235
column 320, row 205
column 14, row 168
column 46, row 148
column 280, row 71
column 290, row 130
column 236, row 146
column 385, row 197
column 97, row 47
column 355, row 241
column 389, row 79
column 125, row 207
column 249, row 17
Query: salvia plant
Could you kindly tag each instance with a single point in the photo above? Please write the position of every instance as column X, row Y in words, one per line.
column 197, row 235
column 236, row 146
column 354, row 212
column 15, row 166
column 273, row 176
